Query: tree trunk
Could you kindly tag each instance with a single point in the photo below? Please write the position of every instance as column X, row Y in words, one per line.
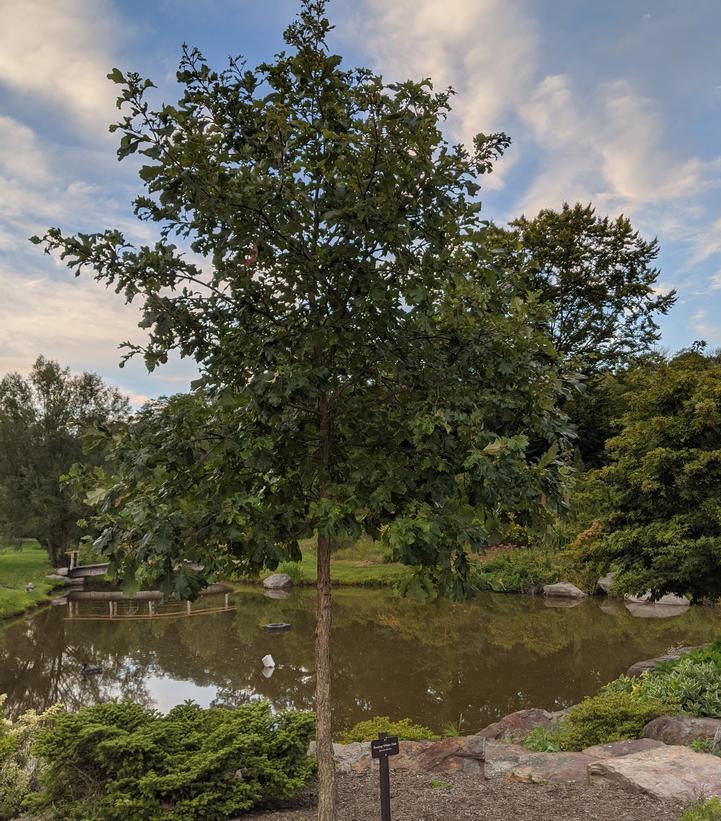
column 323, row 709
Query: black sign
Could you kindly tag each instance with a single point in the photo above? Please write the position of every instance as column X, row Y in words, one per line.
column 383, row 747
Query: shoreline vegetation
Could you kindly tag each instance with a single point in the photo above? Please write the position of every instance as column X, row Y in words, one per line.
column 19, row 566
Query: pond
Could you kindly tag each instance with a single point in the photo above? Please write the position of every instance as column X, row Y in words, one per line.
column 433, row 662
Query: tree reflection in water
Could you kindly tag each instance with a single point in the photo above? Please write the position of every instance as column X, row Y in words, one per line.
column 431, row 662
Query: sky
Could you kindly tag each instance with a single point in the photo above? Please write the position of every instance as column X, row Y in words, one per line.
column 615, row 103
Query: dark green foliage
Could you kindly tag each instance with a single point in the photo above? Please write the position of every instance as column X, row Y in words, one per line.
column 118, row 761
column 404, row 728
column 42, row 417
column 664, row 528
column 598, row 276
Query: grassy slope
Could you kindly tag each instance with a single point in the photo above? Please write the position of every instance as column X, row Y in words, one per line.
column 360, row 564
column 17, row 568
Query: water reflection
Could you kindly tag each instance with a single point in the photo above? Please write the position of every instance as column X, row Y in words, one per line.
column 432, row 662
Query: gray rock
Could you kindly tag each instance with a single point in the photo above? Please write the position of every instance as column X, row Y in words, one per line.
column 61, row 571
column 276, row 594
column 654, row 611
column 681, row 729
column 617, row 749
column 517, row 762
column 605, row 583
column 563, row 590
column 666, row 773
column 278, row 581
column 347, row 755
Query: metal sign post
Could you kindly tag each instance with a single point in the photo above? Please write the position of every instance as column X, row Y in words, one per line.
column 381, row 749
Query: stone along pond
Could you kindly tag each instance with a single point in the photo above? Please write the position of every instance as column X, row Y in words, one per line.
column 432, row 662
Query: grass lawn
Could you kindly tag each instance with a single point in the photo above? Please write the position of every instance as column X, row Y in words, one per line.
column 17, row 568
column 362, row 564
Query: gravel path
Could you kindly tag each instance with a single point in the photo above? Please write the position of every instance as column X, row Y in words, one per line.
column 465, row 797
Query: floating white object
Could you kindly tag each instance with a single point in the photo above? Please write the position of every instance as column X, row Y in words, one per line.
column 268, row 661
column 29, row 587
column 268, row 671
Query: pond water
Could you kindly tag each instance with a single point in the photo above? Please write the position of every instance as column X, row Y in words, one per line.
column 391, row 656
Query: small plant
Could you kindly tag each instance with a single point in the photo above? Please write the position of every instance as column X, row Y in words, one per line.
column 18, row 768
column 440, row 785
column 545, row 739
column 704, row 811
column 702, row 745
column 453, row 728
column 404, row 728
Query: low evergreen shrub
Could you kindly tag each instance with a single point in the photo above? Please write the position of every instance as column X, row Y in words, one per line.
column 118, row 761
column 404, row 728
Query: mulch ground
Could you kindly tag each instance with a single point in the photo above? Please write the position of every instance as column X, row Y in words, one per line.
column 463, row 797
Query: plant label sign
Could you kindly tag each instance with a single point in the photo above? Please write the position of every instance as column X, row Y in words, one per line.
column 383, row 747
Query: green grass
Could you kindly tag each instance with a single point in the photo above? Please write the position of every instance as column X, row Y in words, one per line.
column 361, row 564
column 17, row 568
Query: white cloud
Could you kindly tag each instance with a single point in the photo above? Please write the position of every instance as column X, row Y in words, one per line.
column 485, row 49
column 61, row 50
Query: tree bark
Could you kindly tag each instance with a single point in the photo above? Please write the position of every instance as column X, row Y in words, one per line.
column 323, row 707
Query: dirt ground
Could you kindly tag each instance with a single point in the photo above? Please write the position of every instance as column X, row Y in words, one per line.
column 462, row 797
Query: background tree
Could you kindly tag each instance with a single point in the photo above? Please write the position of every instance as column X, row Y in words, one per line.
column 664, row 530
column 42, row 417
column 362, row 367
column 598, row 277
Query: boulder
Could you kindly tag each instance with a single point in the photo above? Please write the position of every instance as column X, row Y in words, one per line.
column 617, row 749
column 276, row 594
column 278, row 581
column 563, row 590
column 666, row 773
column 347, row 755
column 681, row 729
column 517, row 726
column 514, row 761
column 451, row 755
column 640, row 667
column 654, row 611
column 605, row 583
column 61, row 571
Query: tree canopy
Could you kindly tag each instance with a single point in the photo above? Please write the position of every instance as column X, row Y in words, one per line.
column 42, row 417
column 363, row 366
column 599, row 278
column 664, row 529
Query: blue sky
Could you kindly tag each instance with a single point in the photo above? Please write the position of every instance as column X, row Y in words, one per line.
column 616, row 103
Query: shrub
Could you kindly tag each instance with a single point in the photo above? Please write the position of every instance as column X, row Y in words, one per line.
column 523, row 569
column 607, row 717
column 118, row 761
column 17, row 766
column 704, row 811
column 404, row 728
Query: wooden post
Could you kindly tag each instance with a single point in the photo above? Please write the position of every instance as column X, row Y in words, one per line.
column 188, row 606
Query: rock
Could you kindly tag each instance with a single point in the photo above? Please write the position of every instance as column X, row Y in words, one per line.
column 561, row 603
column 61, row 571
column 605, row 583
column 563, row 590
column 347, row 755
column 666, row 773
column 277, row 581
column 56, row 578
column 514, row 761
column 451, row 755
column 617, row 749
column 669, row 600
column 640, row 667
column 681, row 729
column 517, row 726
